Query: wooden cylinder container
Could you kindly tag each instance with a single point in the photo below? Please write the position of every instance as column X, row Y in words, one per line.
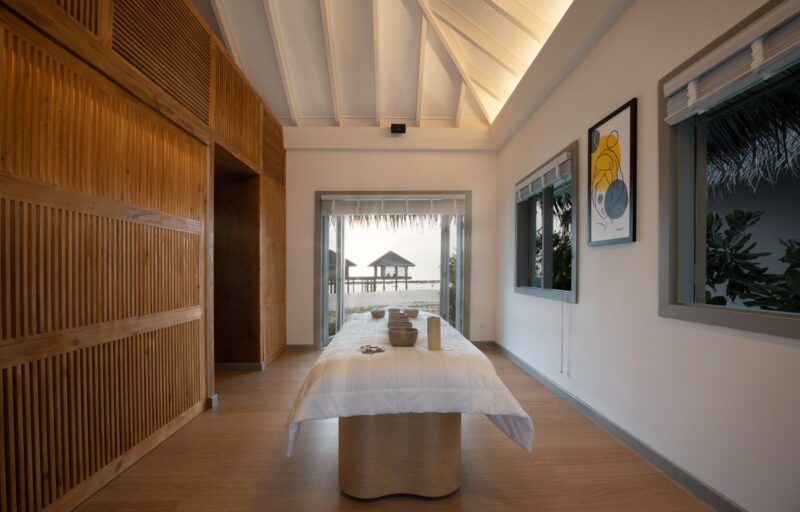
column 434, row 333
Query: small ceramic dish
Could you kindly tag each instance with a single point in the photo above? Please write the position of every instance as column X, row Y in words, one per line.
column 412, row 313
column 378, row 313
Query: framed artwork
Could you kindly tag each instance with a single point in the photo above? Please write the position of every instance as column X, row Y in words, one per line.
column 612, row 177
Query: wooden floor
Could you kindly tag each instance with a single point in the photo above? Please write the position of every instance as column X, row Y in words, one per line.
column 234, row 458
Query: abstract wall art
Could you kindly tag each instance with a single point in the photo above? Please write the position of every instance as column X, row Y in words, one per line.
column 612, row 177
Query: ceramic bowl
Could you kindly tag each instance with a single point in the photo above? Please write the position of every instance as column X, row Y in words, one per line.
column 412, row 313
column 378, row 313
column 394, row 310
column 393, row 325
column 403, row 337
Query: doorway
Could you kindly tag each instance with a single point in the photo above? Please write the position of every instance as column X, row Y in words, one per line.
column 236, row 264
column 392, row 249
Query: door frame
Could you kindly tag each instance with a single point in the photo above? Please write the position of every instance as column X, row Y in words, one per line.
column 318, row 256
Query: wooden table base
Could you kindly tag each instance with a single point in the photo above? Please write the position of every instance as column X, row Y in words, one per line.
column 386, row 454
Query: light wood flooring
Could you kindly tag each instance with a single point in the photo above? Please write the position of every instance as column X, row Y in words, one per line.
column 234, row 459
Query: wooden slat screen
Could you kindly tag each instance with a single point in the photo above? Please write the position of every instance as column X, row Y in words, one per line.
column 237, row 112
column 66, row 416
column 85, row 12
column 170, row 45
column 102, row 342
column 273, row 288
column 273, row 162
column 61, row 269
column 62, row 128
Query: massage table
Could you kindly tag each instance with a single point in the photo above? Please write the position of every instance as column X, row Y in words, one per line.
column 400, row 410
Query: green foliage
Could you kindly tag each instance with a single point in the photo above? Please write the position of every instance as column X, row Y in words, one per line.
column 451, row 291
column 732, row 260
column 562, row 260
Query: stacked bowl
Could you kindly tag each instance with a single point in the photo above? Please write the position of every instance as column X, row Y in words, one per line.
column 401, row 334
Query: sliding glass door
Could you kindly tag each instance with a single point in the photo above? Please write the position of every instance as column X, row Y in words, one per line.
column 393, row 250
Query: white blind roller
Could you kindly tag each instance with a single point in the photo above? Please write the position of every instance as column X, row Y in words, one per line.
column 449, row 204
column 763, row 48
column 546, row 175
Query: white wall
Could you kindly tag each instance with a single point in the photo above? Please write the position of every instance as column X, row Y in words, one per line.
column 723, row 404
column 311, row 171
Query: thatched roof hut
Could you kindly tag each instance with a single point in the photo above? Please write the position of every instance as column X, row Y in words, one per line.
column 391, row 264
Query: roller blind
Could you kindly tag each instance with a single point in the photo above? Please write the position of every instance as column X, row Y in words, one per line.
column 446, row 204
column 762, row 49
column 545, row 176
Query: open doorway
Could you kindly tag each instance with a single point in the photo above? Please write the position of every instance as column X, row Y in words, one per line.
column 236, row 264
column 392, row 249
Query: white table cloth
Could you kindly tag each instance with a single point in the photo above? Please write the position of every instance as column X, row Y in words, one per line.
column 459, row 378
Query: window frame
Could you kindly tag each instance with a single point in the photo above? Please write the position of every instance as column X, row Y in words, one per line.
column 542, row 291
column 680, row 232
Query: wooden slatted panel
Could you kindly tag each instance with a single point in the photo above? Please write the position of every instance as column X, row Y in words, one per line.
column 66, row 129
column 101, row 219
column 237, row 111
column 273, row 281
column 62, row 269
column 66, row 416
column 273, row 162
column 85, row 12
column 166, row 41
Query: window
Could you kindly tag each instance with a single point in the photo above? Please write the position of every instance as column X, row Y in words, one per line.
column 730, row 170
column 546, row 238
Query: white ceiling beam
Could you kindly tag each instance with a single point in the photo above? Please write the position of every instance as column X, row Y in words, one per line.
column 524, row 18
column 423, row 41
column 327, row 29
column 456, row 55
column 283, row 66
column 460, row 105
column 481, row 38
column 376, row 50
column 221, row 13
column 489, row 84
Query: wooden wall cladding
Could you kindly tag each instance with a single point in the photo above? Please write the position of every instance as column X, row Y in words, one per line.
column 168, row 43
column 85, row 12
column 273, row 269
column 102, row 342
column 64, row 128
column 273, row 160
column 237, row 112
column 63, row 269
column 67, row 416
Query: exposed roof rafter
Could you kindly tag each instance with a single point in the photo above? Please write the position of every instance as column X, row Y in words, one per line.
column 423, row 42
column 455, row 54
column 460, row 105
column 481, row 38
column 489, row 84
column 327, row 29
column 277, row 42
column 376, row 49
column 524, row 18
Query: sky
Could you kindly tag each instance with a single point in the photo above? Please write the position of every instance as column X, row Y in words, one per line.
column 365, row 244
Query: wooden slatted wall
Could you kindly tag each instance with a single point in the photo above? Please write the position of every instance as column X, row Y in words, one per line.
column 237, row 112
column 167, row 42
column 102, row 343
column 85, row 12
column 273, row 160
column 273, row 239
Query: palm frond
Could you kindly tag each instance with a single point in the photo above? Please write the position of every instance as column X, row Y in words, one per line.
column 755, row 137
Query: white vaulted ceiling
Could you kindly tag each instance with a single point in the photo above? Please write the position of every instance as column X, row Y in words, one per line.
column 437, row 63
